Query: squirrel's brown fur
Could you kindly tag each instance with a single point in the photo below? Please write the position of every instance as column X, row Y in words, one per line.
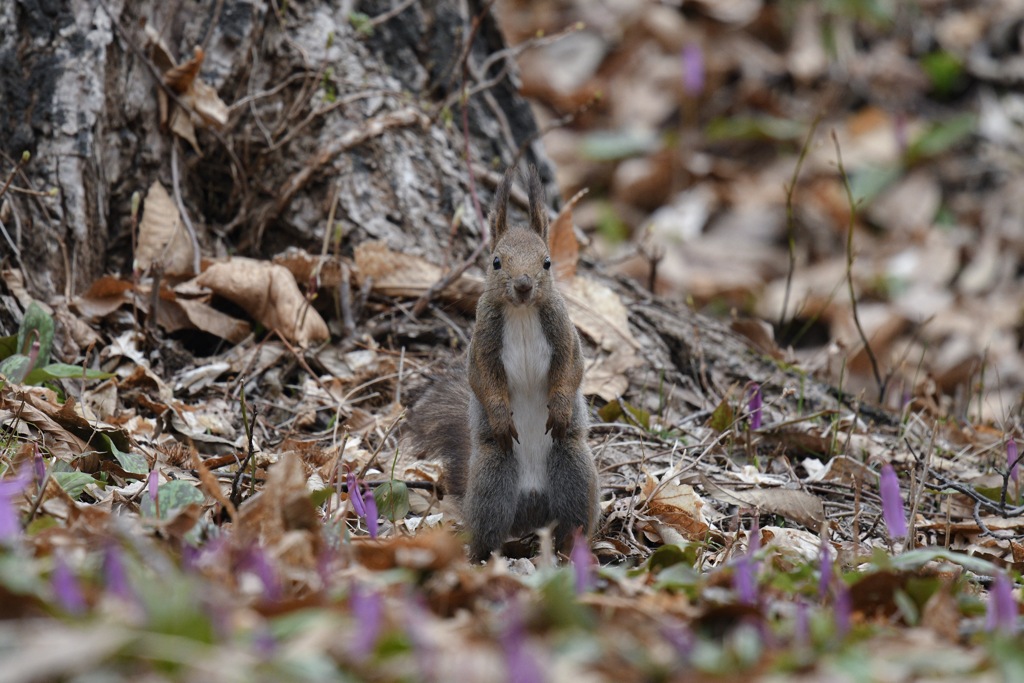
column 510, row 422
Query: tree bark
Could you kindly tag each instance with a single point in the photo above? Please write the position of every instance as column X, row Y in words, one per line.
column 79, row 92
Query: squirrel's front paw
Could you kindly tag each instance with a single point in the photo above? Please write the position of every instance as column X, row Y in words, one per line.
column 504, row 429
column 559, row 417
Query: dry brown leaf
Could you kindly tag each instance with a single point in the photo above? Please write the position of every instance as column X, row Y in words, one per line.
column 606, row 375
column 209, row 319
column 565, row 248
column 396, row 274
column 599, row 313
column 794, row 504
column 103, row 297
column 162, row 235
column 205, row 101
column 180, row 78
column 679, row 507
column 270, row 295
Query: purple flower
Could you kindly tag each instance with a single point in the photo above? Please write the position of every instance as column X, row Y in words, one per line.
column 370, row 505
column 355, row 496
column 39, row 466
column 754, row 537
column 825, row 571
column 10, row 525
column 255, row 561
column 114, row 574
column 679, row 637
column 843, row 610
column 368, row 610
column 1001, row 615
column 1011, row 459
column 263, row 643
column 744, row 580
column 520, row 664
column 754, row 405
column 152, row 485
column 892, row 503
column 801, row 626
column 582, row 563
column 693, row 69
column 65, row 587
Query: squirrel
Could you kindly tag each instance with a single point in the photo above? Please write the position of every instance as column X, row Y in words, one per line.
column 509, row 423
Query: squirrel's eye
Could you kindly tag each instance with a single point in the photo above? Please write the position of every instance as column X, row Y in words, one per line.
column 497, row 263
column 547, row 263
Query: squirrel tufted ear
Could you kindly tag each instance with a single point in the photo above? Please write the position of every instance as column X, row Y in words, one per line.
column 499, row 213
column 538, row 209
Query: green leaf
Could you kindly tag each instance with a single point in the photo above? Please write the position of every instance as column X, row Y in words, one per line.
column 74, row 482
column 8, row 346
column 173, row 496
column 134, row 463
column 392, row 499
column 673, row 554
column 945, row 71
column 612, row 145
column 15, row 368
column 320, row 496
column 361, row 23
column 868, row 183
column 39, row 320
column 64, row 371
column 754, row 128
column 723, row 417
column 942, row 137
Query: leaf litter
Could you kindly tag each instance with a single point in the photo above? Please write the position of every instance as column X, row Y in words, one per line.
column 249, row 511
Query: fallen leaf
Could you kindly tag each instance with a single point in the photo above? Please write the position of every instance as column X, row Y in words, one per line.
column 269, row 294
column 793, row 504
column 565, row 248
column 162, row 235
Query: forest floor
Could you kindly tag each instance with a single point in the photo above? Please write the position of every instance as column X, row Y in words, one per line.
column 834, row 510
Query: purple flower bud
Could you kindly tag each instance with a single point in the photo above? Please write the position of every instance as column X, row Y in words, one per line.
column 39, row 466
column 693, row 69
column 744, row 580
column 520, row 664
column 754, row 537
column 370, row 504
column 1011, row 459
column 153, row 484
column 114, row 574
column 368, row 610
column 65, row 587
column 754, row 405
column 582, row 563
column 355, row 495
column 892, row 503
column 824, row 571
column 1001, row 615
column 10, row 525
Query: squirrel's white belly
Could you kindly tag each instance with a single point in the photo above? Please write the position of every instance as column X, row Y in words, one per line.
column 526, row 355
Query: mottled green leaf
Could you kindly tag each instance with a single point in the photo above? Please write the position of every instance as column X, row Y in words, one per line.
column 8, row 346
column 15, row 368
column 64, row 371
column 173, row 496
column 73, row 482
column 392, row 499
column 130, row 462
column 39, row 320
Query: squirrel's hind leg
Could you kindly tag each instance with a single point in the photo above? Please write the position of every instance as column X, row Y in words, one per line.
column 492, row 496
column 573, row 497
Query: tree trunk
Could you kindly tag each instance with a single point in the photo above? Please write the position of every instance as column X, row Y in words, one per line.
column 79, row 91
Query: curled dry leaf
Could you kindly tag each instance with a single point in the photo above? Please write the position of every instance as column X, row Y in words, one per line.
column 677, row 506
column 269, row 294
column 180, row 78
column 162, row 236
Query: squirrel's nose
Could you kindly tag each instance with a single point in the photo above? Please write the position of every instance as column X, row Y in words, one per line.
column 523, row 284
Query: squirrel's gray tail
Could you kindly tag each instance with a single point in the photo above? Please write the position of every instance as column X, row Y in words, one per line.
column 437, row 425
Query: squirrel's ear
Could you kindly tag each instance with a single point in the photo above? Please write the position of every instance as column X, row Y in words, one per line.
column 538, row 210
column 499, row 214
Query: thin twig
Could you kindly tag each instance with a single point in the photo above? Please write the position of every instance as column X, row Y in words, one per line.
column 791, row 220
column 849, row 270
column 189, row 228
